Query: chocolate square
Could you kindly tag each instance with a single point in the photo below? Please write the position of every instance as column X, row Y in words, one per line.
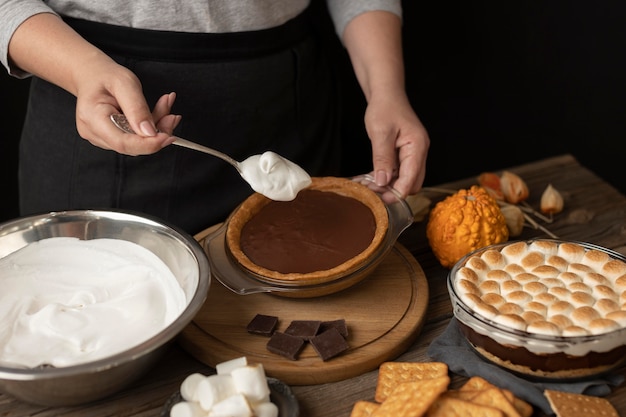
column 340, row 325
column 262, row 324
column 285, row 345
column 329, row 344
column 305, row 329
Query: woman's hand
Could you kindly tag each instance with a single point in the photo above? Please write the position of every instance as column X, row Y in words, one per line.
column 399, row 143
column 399, row 140
column 48, row 48
column 119, row 91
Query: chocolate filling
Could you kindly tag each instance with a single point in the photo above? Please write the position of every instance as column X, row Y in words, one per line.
column 317, row 231
column 551, row 362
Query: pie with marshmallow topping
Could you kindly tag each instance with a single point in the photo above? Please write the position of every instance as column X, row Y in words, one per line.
column 544, row 308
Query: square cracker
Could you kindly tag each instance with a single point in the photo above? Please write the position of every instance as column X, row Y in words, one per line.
column 477, row 384
column 523, row 408
column 567, row 404
column 466, row 395
column 412, row 399
column 364, row 408
column 447, row 406
column 391, row 374
column 494, row 397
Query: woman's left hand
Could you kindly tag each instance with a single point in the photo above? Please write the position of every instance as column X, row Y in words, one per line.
column 399, row 143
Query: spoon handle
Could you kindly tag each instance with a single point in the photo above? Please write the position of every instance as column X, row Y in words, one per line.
column 121, row 122
column 197, row 147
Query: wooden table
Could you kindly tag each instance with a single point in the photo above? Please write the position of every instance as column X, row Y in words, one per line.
column 594, row 212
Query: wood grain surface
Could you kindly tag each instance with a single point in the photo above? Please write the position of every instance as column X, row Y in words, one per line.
column 594, row 212
column 384, row 314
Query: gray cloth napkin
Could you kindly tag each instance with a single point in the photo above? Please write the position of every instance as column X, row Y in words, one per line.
column 452, row 348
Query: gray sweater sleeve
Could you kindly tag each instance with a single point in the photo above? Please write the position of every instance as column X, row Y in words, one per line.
column 12, row 14
column 197, row 15
column 343, row 11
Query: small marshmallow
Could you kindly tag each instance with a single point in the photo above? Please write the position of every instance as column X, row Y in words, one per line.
column 214, row 389
column 265, row 409
column 234, row 406
column 187, row 409
column 251, row 382
column 224, row 368
column 189, row 386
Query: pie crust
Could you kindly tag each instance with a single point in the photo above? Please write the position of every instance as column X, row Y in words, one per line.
column 341, row 186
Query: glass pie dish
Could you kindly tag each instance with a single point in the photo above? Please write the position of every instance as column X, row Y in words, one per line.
column 546, row 309
column 243, row 281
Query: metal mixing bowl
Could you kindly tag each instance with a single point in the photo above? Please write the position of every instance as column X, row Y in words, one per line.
column 95, row 380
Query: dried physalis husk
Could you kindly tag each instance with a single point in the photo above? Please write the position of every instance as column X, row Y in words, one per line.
column 514, row 217
column 513, row 187
column 551, row 201
column 491, row 182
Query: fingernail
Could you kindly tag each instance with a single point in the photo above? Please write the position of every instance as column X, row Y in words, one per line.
column 147, row 128
column 381, row 178
column 171, row 97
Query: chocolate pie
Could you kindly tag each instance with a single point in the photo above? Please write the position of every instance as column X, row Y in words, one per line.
column 332, row 228
column 544, row 308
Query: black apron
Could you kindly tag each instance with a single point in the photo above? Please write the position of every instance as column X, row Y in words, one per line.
column 241, row 93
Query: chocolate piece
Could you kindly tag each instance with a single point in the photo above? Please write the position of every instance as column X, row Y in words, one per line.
column 305, row 329
column 340, row 325
column 285, row 345
column 262, row 324
column 329, row 344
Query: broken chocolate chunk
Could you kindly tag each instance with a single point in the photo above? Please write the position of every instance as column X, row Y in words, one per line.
column 305, row 329
column 340, row 325
column 262, row 324
column 285, row 345
column 329, row 344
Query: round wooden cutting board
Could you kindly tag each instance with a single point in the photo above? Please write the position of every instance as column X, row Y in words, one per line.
column 384, row 314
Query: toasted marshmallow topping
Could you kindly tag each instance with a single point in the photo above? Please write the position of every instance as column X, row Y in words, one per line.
column 547, row 288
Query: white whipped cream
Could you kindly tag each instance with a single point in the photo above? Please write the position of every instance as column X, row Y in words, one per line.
column 65, row 301
column 273, row 176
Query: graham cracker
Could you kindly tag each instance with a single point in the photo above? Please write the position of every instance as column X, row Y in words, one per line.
column 446, row 406
column 477, row 384
column 364, row 409
column 465, row 395
column 567, row 404
column 412, row 399
column 494, row 397
column 391, row 374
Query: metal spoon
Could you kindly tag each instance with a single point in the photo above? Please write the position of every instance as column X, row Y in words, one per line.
column 269, row 174
column 121, row 122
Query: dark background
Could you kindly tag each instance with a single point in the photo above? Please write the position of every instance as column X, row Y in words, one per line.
column 495, row 83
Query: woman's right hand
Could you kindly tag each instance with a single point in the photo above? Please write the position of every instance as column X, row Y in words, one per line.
column 48, row 48
column 118, row 90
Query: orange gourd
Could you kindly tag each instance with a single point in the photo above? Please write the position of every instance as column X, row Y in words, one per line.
column 468, row 220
